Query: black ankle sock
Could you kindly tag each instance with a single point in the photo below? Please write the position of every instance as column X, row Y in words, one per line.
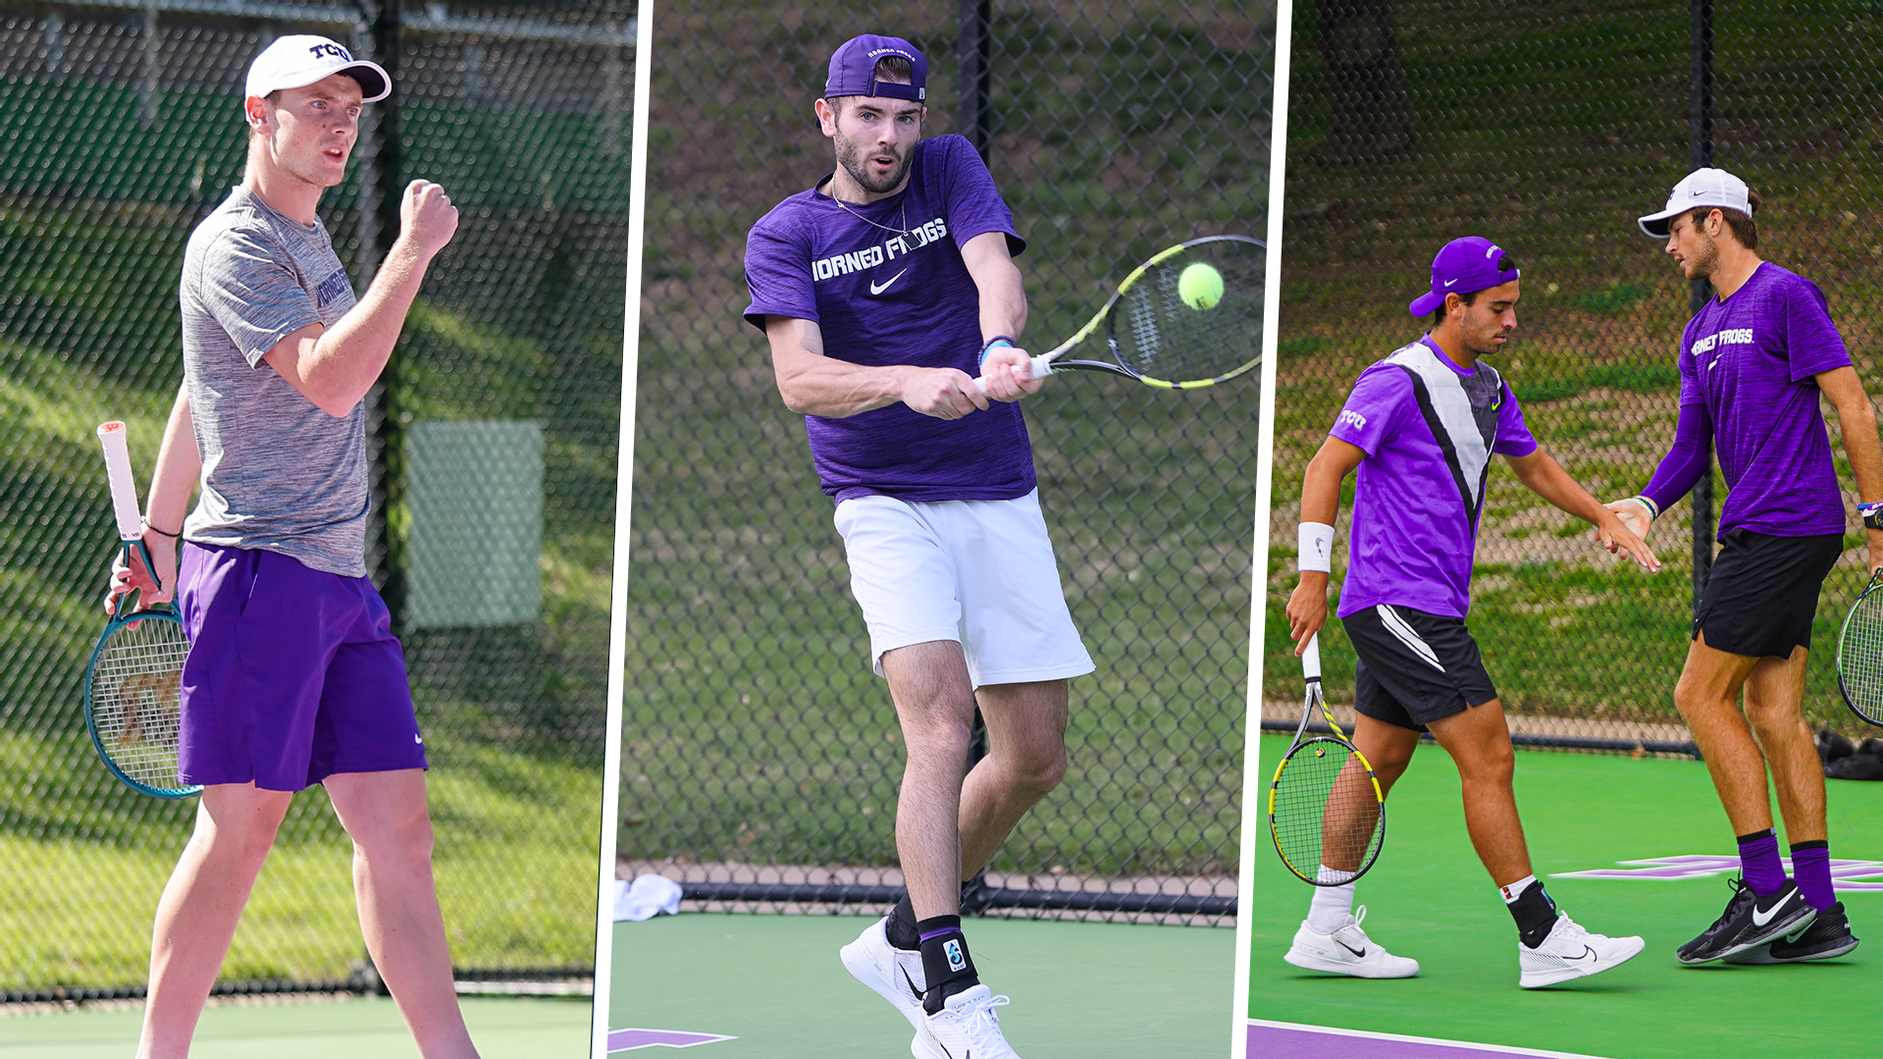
column 901, row 927
column 946, row 965
column 1535, row 914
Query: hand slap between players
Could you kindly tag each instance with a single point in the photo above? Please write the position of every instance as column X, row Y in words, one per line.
column 1614, row 532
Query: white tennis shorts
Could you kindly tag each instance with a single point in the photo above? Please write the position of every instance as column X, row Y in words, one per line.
column 978, row 572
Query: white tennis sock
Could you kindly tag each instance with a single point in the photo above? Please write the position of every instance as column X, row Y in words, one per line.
column 1516, row 889
column 1332, row 904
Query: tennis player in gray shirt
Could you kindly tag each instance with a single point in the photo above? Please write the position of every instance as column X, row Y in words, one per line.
column 294, row 677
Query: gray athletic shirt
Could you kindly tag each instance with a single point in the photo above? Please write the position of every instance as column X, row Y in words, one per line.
column 279, row 474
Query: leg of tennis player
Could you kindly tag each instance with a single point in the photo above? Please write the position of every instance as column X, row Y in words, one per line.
column 1754, row 362
column 883, row 291
column 1419, row 428
column 293, row 677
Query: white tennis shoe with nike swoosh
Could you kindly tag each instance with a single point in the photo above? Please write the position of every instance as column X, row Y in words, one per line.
column 1572, row 952
column 1347, row 951
column 894, row 974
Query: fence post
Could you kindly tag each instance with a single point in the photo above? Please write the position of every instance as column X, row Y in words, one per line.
column 1702, row 133
column 973, row 54
column 380, row 192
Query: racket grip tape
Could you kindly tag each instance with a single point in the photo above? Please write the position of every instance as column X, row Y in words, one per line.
column 1037, row 368
column 1311, row 658
column 123, row 486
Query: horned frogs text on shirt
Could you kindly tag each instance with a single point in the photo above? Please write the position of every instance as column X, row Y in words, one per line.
column 1732, row 336
column 870, row 257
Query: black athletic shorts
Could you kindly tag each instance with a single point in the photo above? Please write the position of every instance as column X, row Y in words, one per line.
column 1763, row 592
column 1414, row 668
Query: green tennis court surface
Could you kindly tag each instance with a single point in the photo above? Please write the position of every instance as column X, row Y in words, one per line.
column 1429, row 898
column 317, row 1028
column 1080, row 990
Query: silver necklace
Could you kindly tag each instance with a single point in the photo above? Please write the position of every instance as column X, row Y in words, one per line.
column 902, row 217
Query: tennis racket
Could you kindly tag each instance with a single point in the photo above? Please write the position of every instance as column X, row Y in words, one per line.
column 1161, row 339
column 132, row 684
column 1325, row 810
column 1860, row 654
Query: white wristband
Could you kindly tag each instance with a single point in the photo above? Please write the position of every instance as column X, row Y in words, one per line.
column 1316, row 547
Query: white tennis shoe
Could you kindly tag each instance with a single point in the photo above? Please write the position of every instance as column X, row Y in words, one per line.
column 1572, row 952
column 965, row 1028
column 1347, row 951
column 895, row 974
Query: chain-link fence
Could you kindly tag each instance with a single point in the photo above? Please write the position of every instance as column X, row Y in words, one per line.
column 123, row 128
column 762, row 756
column 1549, row 128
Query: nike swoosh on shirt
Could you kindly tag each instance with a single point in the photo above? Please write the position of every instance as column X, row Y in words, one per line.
column 1761, row 920
column 875, row 289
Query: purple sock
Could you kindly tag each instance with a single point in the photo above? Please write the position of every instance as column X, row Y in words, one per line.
column 1759, row 862
column 1811, row 867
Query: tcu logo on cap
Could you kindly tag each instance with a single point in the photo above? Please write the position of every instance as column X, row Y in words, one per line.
column 334, row 50
column 1494, row 250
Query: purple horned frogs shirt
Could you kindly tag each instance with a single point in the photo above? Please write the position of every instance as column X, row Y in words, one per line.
column 885, row 284
column 1428, row 429
column 1748, row 362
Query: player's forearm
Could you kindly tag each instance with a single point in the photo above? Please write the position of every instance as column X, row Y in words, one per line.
column 346, row 360
column 1547, row 479
column 813, row 384
column 179, row 464
column 1686, row 462
column 1003, row 303
column 1856, row 419
column 1003, row 307
column 1320, row 489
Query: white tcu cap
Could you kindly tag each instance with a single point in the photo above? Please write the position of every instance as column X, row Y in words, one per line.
column 1699, row 189
column 300, row 60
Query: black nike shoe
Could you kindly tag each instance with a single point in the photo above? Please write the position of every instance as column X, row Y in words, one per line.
column 1749, row 920
column 1826, row 938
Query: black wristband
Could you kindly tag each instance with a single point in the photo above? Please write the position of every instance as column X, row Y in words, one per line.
column 163, row 533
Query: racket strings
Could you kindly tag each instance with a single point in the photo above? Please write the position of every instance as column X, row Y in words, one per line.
column 134, row 699
column 1159, row 335
column 1325, row 812
column 1860, row 657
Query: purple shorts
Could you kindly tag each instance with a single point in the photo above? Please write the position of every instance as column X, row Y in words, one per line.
column 293, row 674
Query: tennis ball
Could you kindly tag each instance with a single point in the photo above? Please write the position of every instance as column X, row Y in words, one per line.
column 1200, row 286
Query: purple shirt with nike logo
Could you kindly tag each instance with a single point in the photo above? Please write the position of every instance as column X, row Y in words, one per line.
column 885, row 284
column 1747, row 365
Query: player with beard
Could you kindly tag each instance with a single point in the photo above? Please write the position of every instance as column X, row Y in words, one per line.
column 1420, row 426
column 1754, row 363
column 883, row 292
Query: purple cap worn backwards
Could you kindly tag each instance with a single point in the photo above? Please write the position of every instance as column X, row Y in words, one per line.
column 1463, row 266
column 853, row 69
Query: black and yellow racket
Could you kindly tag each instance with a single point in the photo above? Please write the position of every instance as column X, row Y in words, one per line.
column 1325, row 810
column 1189, row 317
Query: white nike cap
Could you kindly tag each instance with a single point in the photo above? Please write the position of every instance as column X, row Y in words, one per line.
column 1700, row 189
column 300, row 60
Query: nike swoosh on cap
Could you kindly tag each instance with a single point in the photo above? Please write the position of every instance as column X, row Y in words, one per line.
column 874, row 289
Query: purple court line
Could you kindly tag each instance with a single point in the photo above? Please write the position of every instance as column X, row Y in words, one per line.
column 1288, row 1040
column 1847, row 876
column 628, row 1040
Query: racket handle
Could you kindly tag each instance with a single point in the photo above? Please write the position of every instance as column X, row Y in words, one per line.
column 1037, row 368
column 1311, row 659
column 123, row 485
